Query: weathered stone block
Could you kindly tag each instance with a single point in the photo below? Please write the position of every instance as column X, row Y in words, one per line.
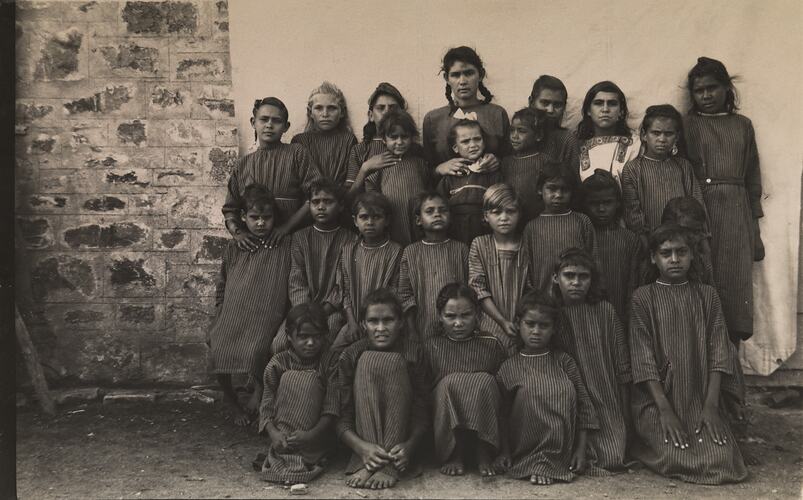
column 131, row 133
column 191, row 280
column 183, row 167
column 129, row 58
column 37, row 232
column 42, row 146
column 201, row 67
column 46, row 204
column 106, row 180
column 104, row 233
column 222, row 162
column 176, row 240
column 124, row 98
column 159, row 18
column 102, row 204
column 212, row 101
column 199, row 208
column 146, row 204
column 226, row 135
column 217, row 41
column 65, row 277
column 169, row 100
column 84, row 134
column 79, row 395
column 115, row 157
column 189, row 319
column 87, row 316
column 209, row 246
column 37, row 111
column 134, row 275
column 182, row 132
column 174, row 362
column 51, row 51
column 85, row 11
column 139, row 316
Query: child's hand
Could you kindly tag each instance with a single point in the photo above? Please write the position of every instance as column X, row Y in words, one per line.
column 455, row 166
column 758, row 244
column 711, row 420
column 673, row 431
column 374, row 457
column 502, row 463
column 278, row 438
column 379, row 162
column 510, row 329
column 578, row 461
column 246, row 240
column 488, row 163
column 298, row 439
column 276, row 236
column 400, row 454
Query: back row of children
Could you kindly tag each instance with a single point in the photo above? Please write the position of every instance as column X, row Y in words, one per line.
column 393, row 206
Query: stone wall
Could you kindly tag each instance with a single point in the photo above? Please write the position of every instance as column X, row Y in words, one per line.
column 125, row 138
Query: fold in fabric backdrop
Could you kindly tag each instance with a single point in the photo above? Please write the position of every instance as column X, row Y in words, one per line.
column 287, row 48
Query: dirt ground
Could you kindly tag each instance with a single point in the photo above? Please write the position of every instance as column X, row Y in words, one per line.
column 191, row 450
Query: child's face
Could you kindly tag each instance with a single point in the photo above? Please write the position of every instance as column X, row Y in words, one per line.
column 552, row 102
column 259, row 220
column 269, row 124
column 398, row 141
column 382, row 105
column 371, row 225
column 673, row 260
column 605, row 110
column 464, row 80
column 660, row 137
column 382, row 326
column 602, row 207
column 459, row 318
column 535, row 329
column 434, row 215
column 307, row 341
column 503, row 220
column 522, row 136
column 574, row 282
column 324, row 208
column 709, row 94
column 325, row 111
column 556, row 195
column 468, row 143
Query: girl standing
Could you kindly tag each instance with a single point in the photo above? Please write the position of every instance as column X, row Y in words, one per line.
column 522, row 168
column 549, row 95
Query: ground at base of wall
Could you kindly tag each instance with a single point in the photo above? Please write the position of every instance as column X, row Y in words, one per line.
column 192, row 450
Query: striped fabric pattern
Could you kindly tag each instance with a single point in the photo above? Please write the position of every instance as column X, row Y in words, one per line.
column 647, row 186
column 521, row 173
column 561, row 145
column 314, row 256
column 329, row 150
column 723, row 149
column 678, row 337
column 360, row 153
column 546, row 401
column 620, row 258
column 426, row 268
column 547, row 236
column 596, row 340
column 465, row 203
column 465, row 394
column 286, row 169
column 250, row 307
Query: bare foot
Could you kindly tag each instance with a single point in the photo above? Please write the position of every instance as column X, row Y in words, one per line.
column 484, row 460
column 358, row 479
column 381, row 480
column 240, row 417
column 540, row 480
column 454, row 466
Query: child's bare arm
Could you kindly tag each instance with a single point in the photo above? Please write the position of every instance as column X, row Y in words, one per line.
column 291, row 225
column 489, row 307
column 578, row 462
column 671, row 427
column 300, row 439
column 710, row 418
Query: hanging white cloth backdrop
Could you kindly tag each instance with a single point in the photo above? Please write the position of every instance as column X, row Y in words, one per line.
column 286, row 48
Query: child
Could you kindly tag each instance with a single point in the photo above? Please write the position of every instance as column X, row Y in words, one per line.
column 680, row 356
column 464, row 193
column 592, row 334
column 300, row 400
column 328, row 135
column 428, row 265
column 722, row 149
column 620, row 251
column 549, row 95
column 557, row 228
column 383, row 405
column 314, row 254
column 249, row 306
column 689, row 214
column 408, row 177
column 367, row 264
column 521, row 169
column 286, row 169
column 497, row 270
column 461, row 365
column 550, row 412
column 659, row 174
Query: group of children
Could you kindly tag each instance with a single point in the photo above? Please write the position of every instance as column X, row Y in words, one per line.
column 526, row 315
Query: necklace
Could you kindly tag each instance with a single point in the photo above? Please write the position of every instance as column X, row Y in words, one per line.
column 534, row 355
column 372, row 247
column 325, row 230
column 671, row 284
column 425, row 242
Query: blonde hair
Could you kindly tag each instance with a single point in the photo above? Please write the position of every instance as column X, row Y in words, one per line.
column 329, row 89
column 500, row 196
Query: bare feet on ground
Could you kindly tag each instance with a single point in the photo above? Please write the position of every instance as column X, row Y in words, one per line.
column 540, row 480
column 358, row 479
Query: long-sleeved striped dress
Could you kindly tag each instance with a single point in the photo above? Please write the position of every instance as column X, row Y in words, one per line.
column 383, row 395
column 286, row 169
column 330, row 151
column 250, row 307
column 500, row 275
column 465, row 203
column 521, row 172
column 401, row 183
column 435, row 131
column 678, row 337
column 360, row 270
column 593, row 335
column 547, row 403
column 561, row 145
column 647, row 186
column 547, row 236
column 620, row 258
column 297, row 393
column 723, row 151
column 426, row 268
column 464, row 391
column 360, row 153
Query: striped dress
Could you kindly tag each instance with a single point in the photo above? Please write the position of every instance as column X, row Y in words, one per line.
column 521, row 172
column 500, row 275
column 723, row 151
column 547, row 236
column 426, row 268
column 647, row 186
column 678, row 337
column 593, row 335
column 297, row 394
column 465, row 203
column 330, row 151
column 360, row 270
column 435, row 131
column 360, row 153
column 286, row 169
column 620, row 256
column 383, row 395
column 547, row 403
column 561, row 145
column 401, row 183
column 464, row 392
column 250, row 307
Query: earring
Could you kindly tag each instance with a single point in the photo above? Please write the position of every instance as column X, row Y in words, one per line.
column 674, row 150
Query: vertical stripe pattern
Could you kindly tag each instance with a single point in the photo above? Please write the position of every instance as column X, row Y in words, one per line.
column 329, row 150
column 360, row 153
column 620, row 256
column 561, row 145
column 521, row 173
column 465, row 203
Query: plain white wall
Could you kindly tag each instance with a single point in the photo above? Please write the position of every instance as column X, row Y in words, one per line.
column 286, row 48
